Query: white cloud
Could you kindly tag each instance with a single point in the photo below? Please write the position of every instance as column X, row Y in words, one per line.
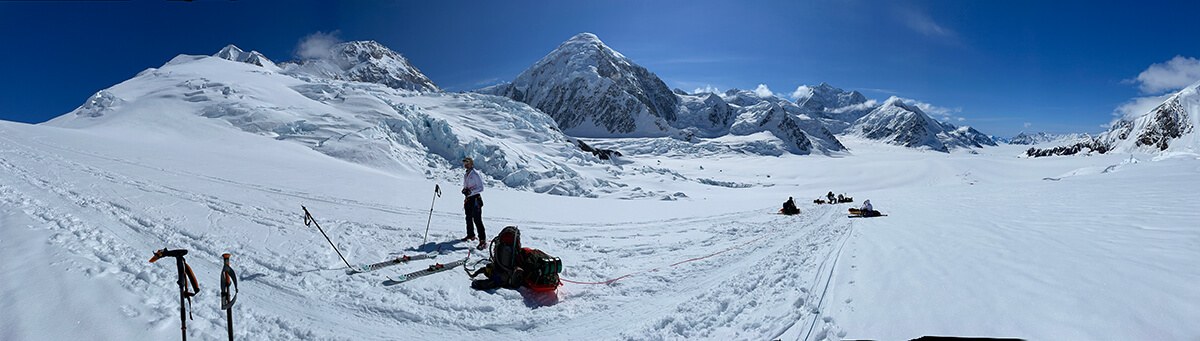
column 1027, row 124
column 801, row 91
column 921, row 22
column 316, row 45
column 869, row 104
column 931, row 109
column 762, row 91
column 1137, row 107
column 1170, row 76
column 707, row 88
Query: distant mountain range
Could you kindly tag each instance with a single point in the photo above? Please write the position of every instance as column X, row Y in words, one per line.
column 592, row 90
column 1042, row 137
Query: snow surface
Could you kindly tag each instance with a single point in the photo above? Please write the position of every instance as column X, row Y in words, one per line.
column 974, row 244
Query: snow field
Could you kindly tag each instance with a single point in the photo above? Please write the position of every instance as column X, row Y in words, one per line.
column 975, row 244
column 108, row 212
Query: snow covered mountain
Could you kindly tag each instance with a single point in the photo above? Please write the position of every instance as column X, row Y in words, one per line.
column 365, row 61
column 1169, row 127
column 835, row 103
column 896, row 122
column 398, row 124
column 802, row 133
column 703, row 115
column 233, row 53
column 592, row 90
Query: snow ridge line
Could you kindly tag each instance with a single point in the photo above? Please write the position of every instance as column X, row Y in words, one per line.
column 828, row 279
column 681, row 262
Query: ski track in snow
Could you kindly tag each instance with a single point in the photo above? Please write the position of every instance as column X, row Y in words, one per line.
column 767, row 289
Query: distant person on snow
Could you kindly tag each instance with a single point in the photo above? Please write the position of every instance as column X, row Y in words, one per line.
column 831, row 197
column 867, row 210
column 789, row 207
column 473, row 204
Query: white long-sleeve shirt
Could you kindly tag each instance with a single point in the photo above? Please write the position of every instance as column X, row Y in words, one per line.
column 473, row 182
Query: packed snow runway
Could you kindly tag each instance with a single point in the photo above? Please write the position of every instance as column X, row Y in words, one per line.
column 974, row 245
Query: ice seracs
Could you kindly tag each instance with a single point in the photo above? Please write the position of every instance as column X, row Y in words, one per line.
column 405, row 130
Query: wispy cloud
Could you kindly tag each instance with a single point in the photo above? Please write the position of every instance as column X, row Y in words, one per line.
column 938, row 113
column 487, row 82
column 1160, row 78
column 316, row 45
column 1139, row 106
column 1170, row 76
column 707, row 88
column 931, row 109
column 922, row 23
column 885, row 91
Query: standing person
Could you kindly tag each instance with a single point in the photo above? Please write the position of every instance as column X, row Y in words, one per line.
column 830, row 196
column 473, row 204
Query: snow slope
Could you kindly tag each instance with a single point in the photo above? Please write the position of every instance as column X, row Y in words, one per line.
column 975, row 244
column 418, row 133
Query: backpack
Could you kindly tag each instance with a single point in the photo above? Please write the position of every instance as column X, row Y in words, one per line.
column 513, row 266
column 541, row 270
column 506, row 256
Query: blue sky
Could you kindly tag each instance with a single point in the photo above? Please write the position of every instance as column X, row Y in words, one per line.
column 999, row 66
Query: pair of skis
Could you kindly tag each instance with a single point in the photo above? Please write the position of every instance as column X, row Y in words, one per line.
column 432, row 269
column 387, row 263
column 435, row 268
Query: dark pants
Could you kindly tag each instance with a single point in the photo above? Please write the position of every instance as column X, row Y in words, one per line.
column 474, row 208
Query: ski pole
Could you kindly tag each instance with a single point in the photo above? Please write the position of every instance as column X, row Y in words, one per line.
column 228, row 277
column 185, row 274
column 437, row 192
column 308, row 218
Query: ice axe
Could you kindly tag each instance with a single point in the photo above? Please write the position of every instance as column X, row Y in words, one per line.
column 437, row 192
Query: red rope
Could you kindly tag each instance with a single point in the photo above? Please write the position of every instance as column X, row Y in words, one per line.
column 661, row 267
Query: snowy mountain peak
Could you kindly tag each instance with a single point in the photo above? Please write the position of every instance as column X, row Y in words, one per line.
column 900, row 123
column 825, row 97
column 584, row 38
column 366, row 61
column 593, row 91
column 899, row 102
column 231, row 52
